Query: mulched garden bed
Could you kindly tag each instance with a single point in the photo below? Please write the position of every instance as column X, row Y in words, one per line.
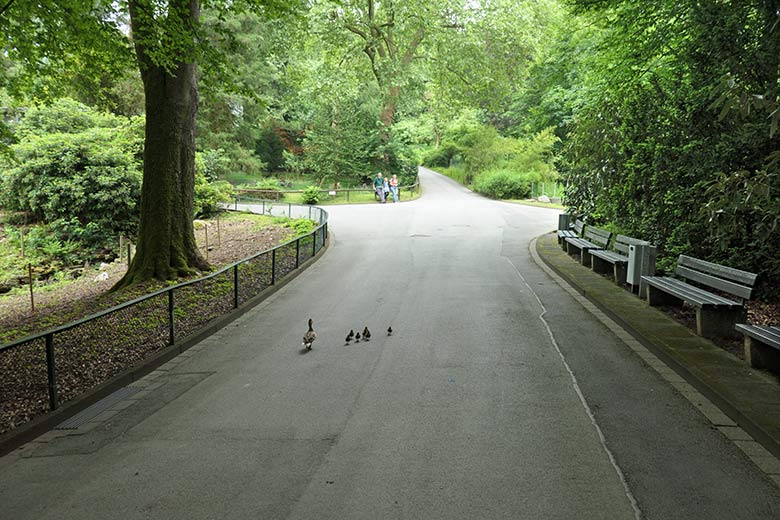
column 93, row 353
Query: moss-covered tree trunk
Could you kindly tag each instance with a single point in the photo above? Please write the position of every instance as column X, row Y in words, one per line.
column 166, row 246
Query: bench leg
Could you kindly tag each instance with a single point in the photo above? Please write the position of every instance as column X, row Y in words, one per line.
column 656, row 296
column 620, row 270
column 711, row 323
column 585, row 256
column 599, row 265
column 759, row 355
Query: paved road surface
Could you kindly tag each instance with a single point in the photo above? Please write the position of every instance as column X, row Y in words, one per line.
column 480, row 405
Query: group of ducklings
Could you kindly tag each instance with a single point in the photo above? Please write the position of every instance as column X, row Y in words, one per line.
column 311, row 335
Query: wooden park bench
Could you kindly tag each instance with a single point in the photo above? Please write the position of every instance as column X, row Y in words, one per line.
column 715, row 315
column 260, row 193
column 574, row 231
column 616, row 259
column 762, row 345
column 593, row 239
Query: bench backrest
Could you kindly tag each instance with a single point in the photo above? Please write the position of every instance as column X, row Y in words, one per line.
column 622, row 242
column 578, row 225
column 726, row 279
column 597, row 235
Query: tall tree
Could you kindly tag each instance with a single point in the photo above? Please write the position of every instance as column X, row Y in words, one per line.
column 165, row 45
column 389, row 34
column 52, row 38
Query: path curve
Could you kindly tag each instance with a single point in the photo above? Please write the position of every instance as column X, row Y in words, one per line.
column 497, row 396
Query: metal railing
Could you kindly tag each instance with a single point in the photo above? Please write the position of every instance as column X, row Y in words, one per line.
column 249, row 193
column 42, row 371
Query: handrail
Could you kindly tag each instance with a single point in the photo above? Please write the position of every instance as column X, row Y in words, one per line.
column 351, row 190
column 251, row 289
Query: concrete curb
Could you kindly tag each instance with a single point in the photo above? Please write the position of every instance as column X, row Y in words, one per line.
column 33, row 429
column 749, row 397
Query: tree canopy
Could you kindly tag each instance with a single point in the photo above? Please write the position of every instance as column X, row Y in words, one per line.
column 660, row 118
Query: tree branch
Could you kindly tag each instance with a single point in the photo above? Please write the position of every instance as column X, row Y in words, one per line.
column 412, row 48
column 351, row 28
column 6, row 6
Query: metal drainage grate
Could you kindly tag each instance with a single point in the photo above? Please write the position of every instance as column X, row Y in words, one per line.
column 96, row 409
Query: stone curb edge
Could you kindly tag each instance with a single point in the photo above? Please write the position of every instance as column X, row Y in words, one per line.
column 33, row 429
column 729, row 408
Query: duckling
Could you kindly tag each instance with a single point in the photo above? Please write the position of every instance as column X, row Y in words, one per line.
column 390, row 331
column 309, row 337
column 357, row 338
column 349, row 337
column 366, row 334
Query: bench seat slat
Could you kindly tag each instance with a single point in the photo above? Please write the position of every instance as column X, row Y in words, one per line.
column 598, row 235
column 581, row 243
column 717, row 283
column 721, row 271
column 610, row 256
column 766, row 334
column 689, row 293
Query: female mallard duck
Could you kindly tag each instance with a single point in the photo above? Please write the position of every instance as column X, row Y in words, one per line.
column 309, row 337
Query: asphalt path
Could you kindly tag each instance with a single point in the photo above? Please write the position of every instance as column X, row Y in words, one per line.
column 497, row 396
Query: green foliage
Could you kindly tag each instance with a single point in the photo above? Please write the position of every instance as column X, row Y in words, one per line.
column 441, row 156
column 482, row 148
column 270, row 148
column 502, row 184
column 302, row 226
column 64, row 116
column 311, row 195
column 535, row 157
column 209, row 195
column 84, row 172
column 680, row 154
column 213, row 164
column 44, row 246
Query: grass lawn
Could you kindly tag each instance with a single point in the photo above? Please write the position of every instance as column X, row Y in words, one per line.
column 533, row 202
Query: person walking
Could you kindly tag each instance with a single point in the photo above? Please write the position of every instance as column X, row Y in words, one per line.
column 379, row 187
column 394, row 187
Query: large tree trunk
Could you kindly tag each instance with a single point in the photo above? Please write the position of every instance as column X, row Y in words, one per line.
column 166, row 237
column 387, row 116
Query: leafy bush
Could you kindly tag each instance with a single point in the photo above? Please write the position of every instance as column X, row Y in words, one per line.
column 208, row 195
column 302, row 226
column 440, row 156
column 502, row 184
column 311, row 195
column 42, row 247
column 65, row 116
column 269, row 147
column 213, row 164
column 91, row 176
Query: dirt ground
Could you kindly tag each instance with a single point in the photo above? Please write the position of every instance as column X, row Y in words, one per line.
column 86, row 295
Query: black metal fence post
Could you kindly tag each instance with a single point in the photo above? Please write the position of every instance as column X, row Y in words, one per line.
column 235, row 286
column 51, row 369
column 297, row 252
column 273, row 266
column 314, row 243
column 171, row 324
